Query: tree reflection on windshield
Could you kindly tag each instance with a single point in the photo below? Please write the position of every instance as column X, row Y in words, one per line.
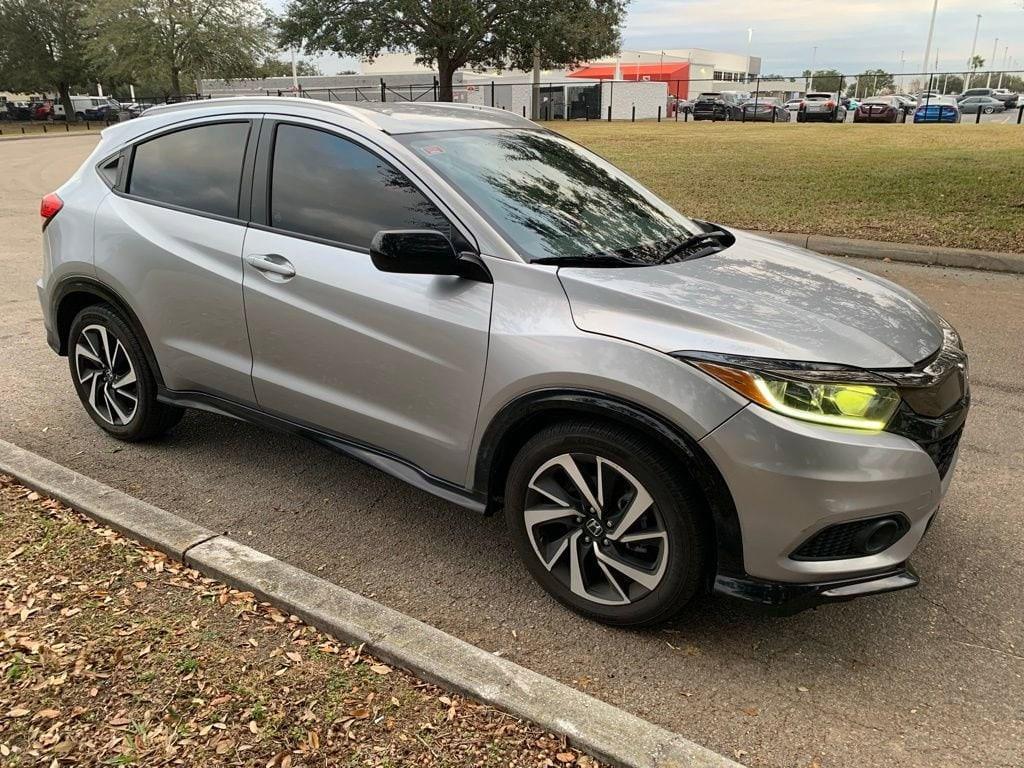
column 552, row 198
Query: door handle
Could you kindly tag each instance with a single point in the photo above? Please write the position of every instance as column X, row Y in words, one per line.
column 270, row 262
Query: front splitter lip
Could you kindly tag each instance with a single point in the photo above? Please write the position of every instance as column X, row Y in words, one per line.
column 787, row 598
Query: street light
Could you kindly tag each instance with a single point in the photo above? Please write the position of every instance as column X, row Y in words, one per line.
column 974, row 50
column 992, row 64
column 814, row 58
column 931, row 33
column 750, row 37
column 1006, row 62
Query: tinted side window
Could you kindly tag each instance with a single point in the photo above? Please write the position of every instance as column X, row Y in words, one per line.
column 325, row 186
column 199, row 168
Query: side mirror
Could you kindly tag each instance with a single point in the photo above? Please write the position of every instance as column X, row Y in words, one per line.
column 423, row 252
column 414, row 252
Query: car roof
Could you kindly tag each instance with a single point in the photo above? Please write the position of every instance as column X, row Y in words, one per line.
column 392, row 118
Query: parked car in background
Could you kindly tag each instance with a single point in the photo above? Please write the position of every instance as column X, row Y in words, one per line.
column 793, row 105
column 909, row 102
column 42, row 110
column 659, row 406
column 764, row 110
column 941, row 110
column 987, row 105
column 89, row 105
column 19, row 110
column 724, row 105
column 822, row 107
column 880, row 109
column 1008, row 97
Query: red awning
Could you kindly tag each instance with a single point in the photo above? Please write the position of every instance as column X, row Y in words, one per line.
column 673, row 71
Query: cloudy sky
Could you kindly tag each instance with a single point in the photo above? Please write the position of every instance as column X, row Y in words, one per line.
column 851, row 35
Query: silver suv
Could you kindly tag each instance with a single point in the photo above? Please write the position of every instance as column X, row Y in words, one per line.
column 488, row 311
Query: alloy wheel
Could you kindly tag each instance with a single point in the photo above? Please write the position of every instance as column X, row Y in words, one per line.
column 106, row 372
column 596, row 529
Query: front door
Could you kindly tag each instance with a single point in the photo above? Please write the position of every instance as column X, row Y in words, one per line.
column 392, row 361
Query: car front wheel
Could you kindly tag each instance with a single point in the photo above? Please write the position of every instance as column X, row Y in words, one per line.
column 605, row 522
column 113, row 378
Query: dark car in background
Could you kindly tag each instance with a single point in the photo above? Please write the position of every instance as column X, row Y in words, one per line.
column 940, row 110
column 724, row 105
column 880, row 109
column 823, row 107
column 765, row 110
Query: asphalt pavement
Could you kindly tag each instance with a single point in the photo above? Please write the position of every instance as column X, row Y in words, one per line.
column 927, row 677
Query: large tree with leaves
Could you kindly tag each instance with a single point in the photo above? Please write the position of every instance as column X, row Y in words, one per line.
column 451, row 34
column 172, row 41
column 43, row 47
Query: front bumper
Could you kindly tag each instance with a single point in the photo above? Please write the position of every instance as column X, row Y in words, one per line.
column 787, row 599
column 790, row 479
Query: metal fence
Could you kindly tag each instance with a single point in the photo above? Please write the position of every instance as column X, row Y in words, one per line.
column 658, row 100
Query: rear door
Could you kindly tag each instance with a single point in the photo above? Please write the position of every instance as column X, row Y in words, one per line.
column 169, row 240
column 391, row 361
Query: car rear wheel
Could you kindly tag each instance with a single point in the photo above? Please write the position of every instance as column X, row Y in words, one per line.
column 605, row 522
column 113, row 378
column 989, row 110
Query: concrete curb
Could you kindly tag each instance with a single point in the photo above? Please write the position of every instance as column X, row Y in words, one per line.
column 604, row 731
column 52, row 134
column 963, row 258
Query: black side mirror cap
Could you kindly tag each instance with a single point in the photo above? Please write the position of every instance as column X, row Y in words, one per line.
column 423, row 252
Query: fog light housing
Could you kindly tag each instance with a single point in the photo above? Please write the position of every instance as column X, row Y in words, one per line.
column 858, row 538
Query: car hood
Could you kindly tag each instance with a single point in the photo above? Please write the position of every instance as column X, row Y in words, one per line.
column 758, row 298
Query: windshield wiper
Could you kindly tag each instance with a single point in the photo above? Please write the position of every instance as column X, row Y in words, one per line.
column 718, row 238
column 596, row 260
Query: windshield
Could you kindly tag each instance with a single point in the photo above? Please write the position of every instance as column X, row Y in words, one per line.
column 552, row 199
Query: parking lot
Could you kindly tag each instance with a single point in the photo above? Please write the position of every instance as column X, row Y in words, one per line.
column 928, row 677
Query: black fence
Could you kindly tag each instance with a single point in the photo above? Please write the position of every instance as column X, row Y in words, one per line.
column 632, row 100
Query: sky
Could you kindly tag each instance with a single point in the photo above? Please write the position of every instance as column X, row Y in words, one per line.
column 850, row 35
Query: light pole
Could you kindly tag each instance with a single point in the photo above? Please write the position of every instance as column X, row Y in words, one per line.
column 931, row 33
column 974, row 50
column 903, row 68
column 750, row 37
column 814, row 58
column 1006, row 62
column 992, row 64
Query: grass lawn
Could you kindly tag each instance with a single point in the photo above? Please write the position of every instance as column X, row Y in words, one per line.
column 112, row 654
column 950, row 185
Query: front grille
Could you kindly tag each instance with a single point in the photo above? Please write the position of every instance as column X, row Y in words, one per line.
column 844, row 540
column 942, row 451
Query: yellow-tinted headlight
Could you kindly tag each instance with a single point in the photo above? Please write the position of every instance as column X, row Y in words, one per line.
column 859, row 406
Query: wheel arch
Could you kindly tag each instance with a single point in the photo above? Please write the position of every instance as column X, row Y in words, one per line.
column 74, row 294
column 518, row 420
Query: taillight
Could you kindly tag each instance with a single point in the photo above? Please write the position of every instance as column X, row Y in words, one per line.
column 50, row 207
column 831, row 104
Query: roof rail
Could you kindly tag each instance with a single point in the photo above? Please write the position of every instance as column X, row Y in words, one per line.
column 269, row 101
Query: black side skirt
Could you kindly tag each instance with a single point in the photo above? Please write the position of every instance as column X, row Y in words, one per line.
column 375, row 457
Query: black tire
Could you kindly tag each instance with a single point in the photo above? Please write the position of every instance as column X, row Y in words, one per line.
column 680, row 509
column 150, row 418
column 989, row 110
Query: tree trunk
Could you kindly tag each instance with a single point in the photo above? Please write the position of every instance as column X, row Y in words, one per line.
column 445, row 72
column 64, row 92
column 535, row 90
column 176, row 82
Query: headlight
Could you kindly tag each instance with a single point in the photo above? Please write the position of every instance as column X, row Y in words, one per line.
column 811, row 396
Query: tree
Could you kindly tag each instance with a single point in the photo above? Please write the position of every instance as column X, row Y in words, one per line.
column 871, row 82
column 451, row 34
column 165, row 41
column 825, row 80
column 43, row 46
column 273, row 67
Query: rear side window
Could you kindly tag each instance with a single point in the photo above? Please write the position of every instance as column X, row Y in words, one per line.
column 328, row 187
column 198, row 168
